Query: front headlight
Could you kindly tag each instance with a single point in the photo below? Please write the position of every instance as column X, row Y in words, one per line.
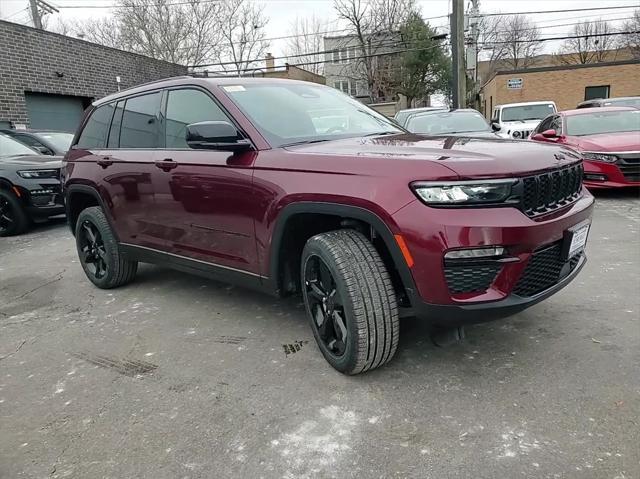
column 464, row 192
column 517, row 134
column 590, row 155
column 31, row 174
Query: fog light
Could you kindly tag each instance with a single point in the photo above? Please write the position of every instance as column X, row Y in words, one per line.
column 594, row 177
column 475, row 253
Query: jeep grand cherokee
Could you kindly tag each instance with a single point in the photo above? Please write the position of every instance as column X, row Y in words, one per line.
column 291, row 187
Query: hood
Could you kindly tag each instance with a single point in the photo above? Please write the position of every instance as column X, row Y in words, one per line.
column 509, row 126
column 38, row 162
column 468, row 157
column 626, row 141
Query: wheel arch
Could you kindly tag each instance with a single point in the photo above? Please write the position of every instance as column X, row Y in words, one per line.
column 327, row 216
column 80, row 197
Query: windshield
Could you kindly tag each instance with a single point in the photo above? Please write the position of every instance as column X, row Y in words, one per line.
column 527, row 112
column 287, row 113
column 635, row 102
column 61, row 141
column 11, row 147
column 597, row 123
column 448, row 122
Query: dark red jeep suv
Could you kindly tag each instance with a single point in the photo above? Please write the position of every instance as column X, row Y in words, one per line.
column 292, row 187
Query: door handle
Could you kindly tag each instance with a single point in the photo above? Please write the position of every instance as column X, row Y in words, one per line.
column 105, row 161
column 166, row 164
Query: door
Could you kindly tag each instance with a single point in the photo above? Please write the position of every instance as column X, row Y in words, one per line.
column 54, row 112
column 204, row 196
column 128, row 167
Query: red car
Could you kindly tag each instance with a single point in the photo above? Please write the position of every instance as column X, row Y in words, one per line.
column 608, row 139
column 295, row 188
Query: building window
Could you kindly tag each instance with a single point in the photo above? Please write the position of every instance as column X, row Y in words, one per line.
column 593, row 92
column 349, row 87
column 344, row 55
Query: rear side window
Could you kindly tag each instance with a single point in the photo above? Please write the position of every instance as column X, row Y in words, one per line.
column 140, row 122
column 185, row 107
column 94, row 134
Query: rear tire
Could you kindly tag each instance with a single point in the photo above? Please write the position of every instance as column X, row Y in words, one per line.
column 350, row 301
column 13, row 217
column 98, row 251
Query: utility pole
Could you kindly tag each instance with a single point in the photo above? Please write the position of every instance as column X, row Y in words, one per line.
column 457, row 50
column 35, row 14
column 472, row 51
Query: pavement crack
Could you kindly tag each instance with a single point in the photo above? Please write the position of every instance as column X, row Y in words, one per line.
column 17, row 349
column 57, row 277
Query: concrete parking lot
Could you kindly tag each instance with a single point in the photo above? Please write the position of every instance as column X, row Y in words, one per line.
column 175, row 376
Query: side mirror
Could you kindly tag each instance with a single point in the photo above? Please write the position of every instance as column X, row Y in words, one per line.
column 215, row 135
column 550, row 134
column 495, row 126
column 44, row 150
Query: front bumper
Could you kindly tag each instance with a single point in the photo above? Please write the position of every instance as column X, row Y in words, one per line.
column 457, row 315
column 598, row 174
column 430, row 232
column 42, row 198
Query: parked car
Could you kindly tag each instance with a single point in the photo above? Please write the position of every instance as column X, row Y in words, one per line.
column 517, row 120
column 368, row 222
column 607, row 137
column 402, row 115
column 47, row 142
column 29, row 186
column 467, row 122
column 633, row 101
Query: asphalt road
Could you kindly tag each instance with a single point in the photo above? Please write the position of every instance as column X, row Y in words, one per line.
column 179, row 377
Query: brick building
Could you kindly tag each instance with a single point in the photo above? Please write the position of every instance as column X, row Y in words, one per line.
column 46, row 79
column 567, row 85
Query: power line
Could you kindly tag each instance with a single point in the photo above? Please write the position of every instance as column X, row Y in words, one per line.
column 244, row 70
column 567, row 10
column 566, row 37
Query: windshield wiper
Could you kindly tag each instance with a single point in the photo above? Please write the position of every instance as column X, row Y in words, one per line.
column 382, row 133
column 306, row 142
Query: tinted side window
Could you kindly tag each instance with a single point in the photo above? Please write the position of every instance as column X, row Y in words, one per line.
column 114, row 132
column 140, row 122
column 95, row 131
column 185, row 107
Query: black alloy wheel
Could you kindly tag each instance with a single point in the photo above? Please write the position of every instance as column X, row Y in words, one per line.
column 13, row 217
column 7, row 215
column 326, row 305
column 92, row 250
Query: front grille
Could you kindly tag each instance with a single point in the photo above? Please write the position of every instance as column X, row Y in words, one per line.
column 549, row 191
column 524, row 134
column 470, row 278
column 629, row 165
column 545, row 269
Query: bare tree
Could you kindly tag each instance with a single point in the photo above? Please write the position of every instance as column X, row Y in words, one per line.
column 520, row 39
column 492, row 49
column 631, row 40
column 589, row 45
column 306, row 36
column 374, row 28
column 243, row 35
column 184, row 32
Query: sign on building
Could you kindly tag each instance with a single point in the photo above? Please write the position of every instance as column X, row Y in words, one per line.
column 514, row 83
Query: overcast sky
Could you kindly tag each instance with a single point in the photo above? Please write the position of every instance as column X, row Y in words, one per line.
column 282, row 13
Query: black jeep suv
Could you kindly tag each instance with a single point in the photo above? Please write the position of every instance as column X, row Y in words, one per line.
column 29, row 186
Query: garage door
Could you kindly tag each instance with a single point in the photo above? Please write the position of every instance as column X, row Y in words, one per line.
column 55, row 112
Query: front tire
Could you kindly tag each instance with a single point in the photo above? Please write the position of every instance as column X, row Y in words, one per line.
column 13, row 218
column 350, row 301
column 98, row 251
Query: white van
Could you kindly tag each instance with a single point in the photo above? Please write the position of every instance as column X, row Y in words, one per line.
column 518, row 120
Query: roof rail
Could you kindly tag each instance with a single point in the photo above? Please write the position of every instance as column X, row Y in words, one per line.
column 180, row 77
